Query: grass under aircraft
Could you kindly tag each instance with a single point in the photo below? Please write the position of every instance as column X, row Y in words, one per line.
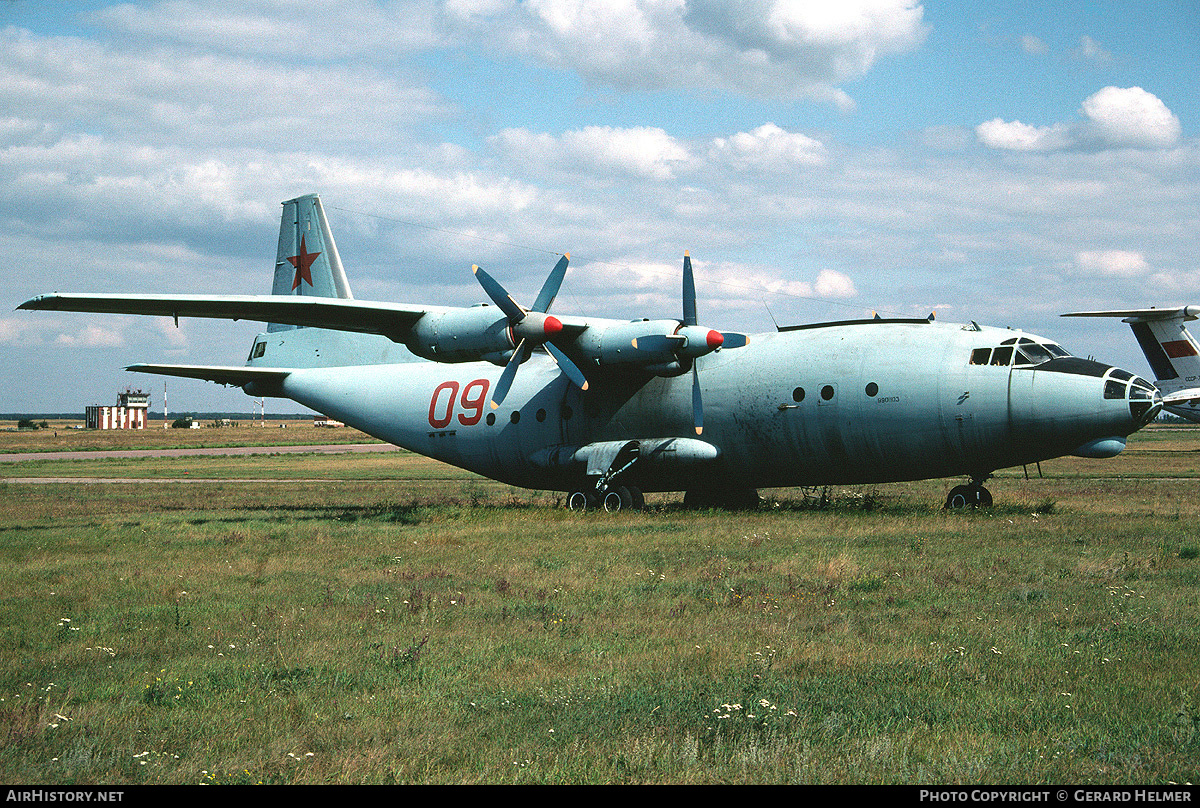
column 608, row 410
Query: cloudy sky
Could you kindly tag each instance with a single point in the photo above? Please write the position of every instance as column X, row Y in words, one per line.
column 1003, row 162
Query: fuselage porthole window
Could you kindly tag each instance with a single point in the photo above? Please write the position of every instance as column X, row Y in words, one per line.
column 798, row 395
column 515, row 417
column 872, row 389
column 827, row 392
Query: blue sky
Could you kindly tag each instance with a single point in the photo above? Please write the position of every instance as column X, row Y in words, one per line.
column 1002, row 162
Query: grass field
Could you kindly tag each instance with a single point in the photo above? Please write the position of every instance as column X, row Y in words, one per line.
column 386, row 619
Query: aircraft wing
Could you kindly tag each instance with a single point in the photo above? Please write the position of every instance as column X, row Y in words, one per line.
column 392, row 320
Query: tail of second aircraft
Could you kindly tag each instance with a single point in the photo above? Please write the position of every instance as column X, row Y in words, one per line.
column 307, row 262
column 1171, row 350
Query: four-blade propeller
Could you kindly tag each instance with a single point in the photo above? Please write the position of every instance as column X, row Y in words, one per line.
column 690, row 341
column 698, row 340
column 530, row 327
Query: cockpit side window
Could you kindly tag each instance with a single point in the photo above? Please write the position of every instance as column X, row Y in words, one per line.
column 1002, row 355
column 1030, row 353
column 979, row 356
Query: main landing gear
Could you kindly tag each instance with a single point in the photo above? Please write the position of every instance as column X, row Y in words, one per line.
column 971, row 495
column 613, row 500
column 603, row 490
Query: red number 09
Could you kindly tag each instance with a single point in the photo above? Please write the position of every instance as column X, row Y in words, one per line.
column 474, row 396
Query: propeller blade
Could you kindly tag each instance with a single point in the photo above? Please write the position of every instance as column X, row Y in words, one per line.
column 567, row 367
column 689, row 291
column 733, row 340
column 510, row 372
column 550, row 288
column 697, row 404
column 512, row 310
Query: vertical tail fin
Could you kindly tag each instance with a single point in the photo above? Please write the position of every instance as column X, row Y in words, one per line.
column 307, row 262
column 1172, row 352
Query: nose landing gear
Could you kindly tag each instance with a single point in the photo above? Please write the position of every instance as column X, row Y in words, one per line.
column 971, row 495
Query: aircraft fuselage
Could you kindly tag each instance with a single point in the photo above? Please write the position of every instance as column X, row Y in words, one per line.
column 861, row 402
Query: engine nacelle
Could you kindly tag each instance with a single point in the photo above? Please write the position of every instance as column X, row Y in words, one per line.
column 661, row 347
column 462, row 335
column 640, row 342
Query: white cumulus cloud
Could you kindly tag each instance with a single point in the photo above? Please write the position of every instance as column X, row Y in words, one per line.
column 1114, row 117
column 770, row 147
column 1112, row 263
column 768, row 48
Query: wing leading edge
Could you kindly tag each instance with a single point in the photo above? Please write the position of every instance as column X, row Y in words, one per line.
column 392, row 320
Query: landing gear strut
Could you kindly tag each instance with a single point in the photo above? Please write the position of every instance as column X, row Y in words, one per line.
column 972, row 495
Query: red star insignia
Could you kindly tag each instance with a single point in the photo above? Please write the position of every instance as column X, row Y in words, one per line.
column 302, row 262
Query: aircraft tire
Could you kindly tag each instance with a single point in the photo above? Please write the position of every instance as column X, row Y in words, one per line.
column 639, row 499
column 618, row 499
column 581, row 501
column 968, row 496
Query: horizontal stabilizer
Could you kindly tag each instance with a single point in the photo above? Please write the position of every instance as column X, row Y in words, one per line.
column 392, row 320
column 1181, row 396
column 1181, row 312
column 264, row 380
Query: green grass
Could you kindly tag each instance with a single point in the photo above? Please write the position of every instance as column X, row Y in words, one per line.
column 425, row 626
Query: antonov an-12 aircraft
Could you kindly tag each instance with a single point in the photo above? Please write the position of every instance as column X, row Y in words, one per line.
column 607, row 410
column 1170, row 349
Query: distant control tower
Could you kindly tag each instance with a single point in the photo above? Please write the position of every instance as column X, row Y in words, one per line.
column 129, row 413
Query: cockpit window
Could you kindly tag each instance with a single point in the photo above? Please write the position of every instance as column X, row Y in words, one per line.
column 1030, row 353
column 1002, row 355
column 1018, row 352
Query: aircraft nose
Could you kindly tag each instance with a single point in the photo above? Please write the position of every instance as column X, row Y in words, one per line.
column 1145, row 402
